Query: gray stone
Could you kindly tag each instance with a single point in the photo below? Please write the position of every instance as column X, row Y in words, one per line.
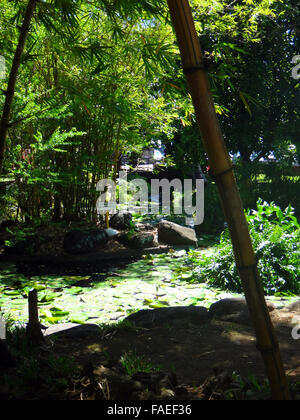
column 242, row 318
column 72, row 331
column 79, row 242
column 137, row 241
column 149, row 318
column 227, row 307
column 294, row 307
column 233, row 310
column 175, row 235
column 121, row 221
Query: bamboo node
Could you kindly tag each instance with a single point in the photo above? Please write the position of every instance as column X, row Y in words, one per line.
column 220, row 174
column 247, row 267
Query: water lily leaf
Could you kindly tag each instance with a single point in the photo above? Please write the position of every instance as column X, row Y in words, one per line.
column 48, row 297
column 75, row 291
column 12, row 293
column 148, row 301
column 158, row 305
column 79, row 319
column 57, row 312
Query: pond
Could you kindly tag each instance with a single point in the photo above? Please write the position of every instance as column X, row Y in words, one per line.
column 108, row 297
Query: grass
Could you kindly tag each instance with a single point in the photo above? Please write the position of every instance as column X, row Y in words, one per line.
column 133, row 363
column 37, row 373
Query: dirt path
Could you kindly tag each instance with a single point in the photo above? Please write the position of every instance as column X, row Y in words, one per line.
column 191, row 352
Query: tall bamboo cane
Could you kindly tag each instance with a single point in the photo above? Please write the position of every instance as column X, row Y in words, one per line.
column 9, row 95
column 222, row 168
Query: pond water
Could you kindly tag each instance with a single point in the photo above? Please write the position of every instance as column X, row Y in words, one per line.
column 106, row 298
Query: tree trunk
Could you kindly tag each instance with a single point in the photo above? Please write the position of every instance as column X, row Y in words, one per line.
column 222, row 168
column 10, row 92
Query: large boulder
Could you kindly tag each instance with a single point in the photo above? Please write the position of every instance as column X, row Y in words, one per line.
column 79, row 242
column 121, row 221
column 294, row 307
column 226, row 307
column 233, row 310
column 149, row 318
column 138, row 240
column 72, row 331
column 175, row 235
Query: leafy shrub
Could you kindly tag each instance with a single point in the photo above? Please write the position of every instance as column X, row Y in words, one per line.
column 276, row 236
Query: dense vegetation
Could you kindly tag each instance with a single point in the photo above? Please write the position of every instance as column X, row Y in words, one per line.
column 87, row 87
column 100, row 81
column 275, row 234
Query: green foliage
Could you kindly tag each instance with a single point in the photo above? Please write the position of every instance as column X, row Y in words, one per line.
column 251, row 388
column 153, row 282
column 103, row 80
column 276, row 236
column 260, row 119
column 34, row 372
column 133, row 363
column 19, row 235
column 89, row 92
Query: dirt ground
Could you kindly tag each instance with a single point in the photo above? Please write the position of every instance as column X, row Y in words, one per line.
column 192, row 353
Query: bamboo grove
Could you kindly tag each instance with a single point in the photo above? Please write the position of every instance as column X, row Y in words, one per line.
column 101, row 80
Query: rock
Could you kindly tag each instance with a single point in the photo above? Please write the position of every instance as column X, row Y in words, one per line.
column 121, row 221
column 111, row 233
column 138, row 241
column 242, row 318
column 294, row 307
column 227, row 307
column 79, row 242
column 233, row 310
column 72, row 331
column 167, row 394
column 149, row 318
column 143, row 240
column 271, row 307
column 175, row 235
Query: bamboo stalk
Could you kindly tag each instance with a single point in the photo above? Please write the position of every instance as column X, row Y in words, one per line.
column 222, row 167
column 9, row 96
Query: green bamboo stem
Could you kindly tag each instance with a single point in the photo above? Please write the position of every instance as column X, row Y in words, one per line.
column 222, row 168
column 10, row 93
